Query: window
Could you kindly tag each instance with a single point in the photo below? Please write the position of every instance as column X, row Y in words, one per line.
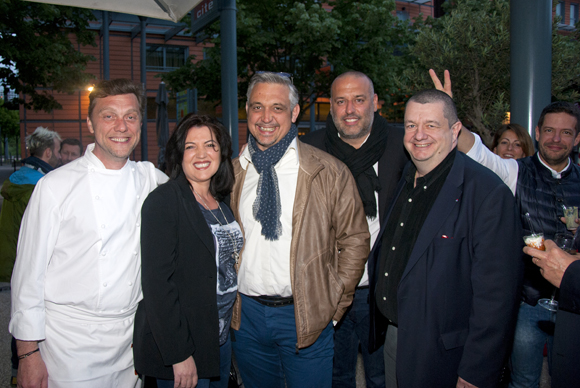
column 165, row 58
column 321, row 111
column 573, row 14
column 152, row 109
column 561, row 11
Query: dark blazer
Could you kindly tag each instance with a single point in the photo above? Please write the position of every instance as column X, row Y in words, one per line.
column 391, row 163
column 459, row 293
column 566, row 350
column 178, row 315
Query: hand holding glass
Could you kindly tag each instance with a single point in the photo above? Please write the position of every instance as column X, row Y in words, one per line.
column 565, row 242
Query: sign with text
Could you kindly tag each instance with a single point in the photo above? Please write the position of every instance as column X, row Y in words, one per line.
column 203, row 14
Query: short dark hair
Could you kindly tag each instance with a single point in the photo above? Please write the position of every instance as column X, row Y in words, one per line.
column 561, row 107
column 72, row 142
column 222, row 182
column 116, row 87
column 523, row 136
column 430, row 96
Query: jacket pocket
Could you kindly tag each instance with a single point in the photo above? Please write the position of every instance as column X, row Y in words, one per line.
column 454, row 339
column 335, row 282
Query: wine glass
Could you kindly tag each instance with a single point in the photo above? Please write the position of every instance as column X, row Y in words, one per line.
column 564, row 241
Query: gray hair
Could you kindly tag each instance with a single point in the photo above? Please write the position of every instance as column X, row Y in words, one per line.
column 268, row 77
column 40, row 140
column 431, row 96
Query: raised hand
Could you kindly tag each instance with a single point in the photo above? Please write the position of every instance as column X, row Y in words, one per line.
column 446, row 87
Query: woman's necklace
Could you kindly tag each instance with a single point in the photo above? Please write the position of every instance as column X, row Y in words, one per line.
column 235, row 255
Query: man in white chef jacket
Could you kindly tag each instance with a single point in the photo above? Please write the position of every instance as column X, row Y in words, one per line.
column 76, row 280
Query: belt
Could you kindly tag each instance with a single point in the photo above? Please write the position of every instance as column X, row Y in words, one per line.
column 273, row 301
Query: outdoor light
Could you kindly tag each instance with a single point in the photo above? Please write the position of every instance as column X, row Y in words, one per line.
column 90, row 88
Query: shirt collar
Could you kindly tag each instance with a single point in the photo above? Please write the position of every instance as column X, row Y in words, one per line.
column 246, row 158
column 555, row 174
column 441, row 169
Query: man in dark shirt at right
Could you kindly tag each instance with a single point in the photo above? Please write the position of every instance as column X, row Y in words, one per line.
column 446, row 269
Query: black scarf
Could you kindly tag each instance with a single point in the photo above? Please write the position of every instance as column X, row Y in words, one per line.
column 267, row 208
column 360, row 161
column 37, row 164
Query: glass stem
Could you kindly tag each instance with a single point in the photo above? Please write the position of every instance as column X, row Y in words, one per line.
column 554, row 293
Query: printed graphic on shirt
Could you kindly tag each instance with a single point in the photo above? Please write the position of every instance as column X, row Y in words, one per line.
column 228, row 242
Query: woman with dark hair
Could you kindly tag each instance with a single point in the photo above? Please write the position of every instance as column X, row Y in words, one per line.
column 190, row 243
column 512, row 141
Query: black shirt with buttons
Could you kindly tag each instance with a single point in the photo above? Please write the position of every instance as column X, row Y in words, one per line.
column 402, row 229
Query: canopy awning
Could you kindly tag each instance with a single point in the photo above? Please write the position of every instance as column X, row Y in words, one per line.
column 161, row 9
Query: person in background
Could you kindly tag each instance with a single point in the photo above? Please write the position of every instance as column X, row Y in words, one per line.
column 43, row 146
column 190, row 243
column 70, row 149
column 512, row 141
column 562, row 270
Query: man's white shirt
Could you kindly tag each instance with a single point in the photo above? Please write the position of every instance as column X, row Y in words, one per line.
column 265, row 265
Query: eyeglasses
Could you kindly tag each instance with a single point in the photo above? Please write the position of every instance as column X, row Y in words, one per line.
column 281, row 73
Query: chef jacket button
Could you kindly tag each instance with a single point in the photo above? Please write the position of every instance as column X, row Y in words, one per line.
column 138, row 196
column 386, row 274
column 103, row 226
column 130, row 283
column 137, row 224
column 384, row 298
column 103, row 253
column 105, row 284
column 92, row 170
column 97, row 197
column 134, row 252
column 132, row 169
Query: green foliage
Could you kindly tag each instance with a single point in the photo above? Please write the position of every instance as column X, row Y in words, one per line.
column 9, row 121
column 472, row 41
column 372, row 40
column 566, row 65
column 303, row 39
column 36, row 52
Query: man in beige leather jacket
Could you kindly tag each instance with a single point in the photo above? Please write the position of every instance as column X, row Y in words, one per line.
column 307, row 241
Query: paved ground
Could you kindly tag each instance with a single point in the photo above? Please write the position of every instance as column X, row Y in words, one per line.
column 5, row 367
